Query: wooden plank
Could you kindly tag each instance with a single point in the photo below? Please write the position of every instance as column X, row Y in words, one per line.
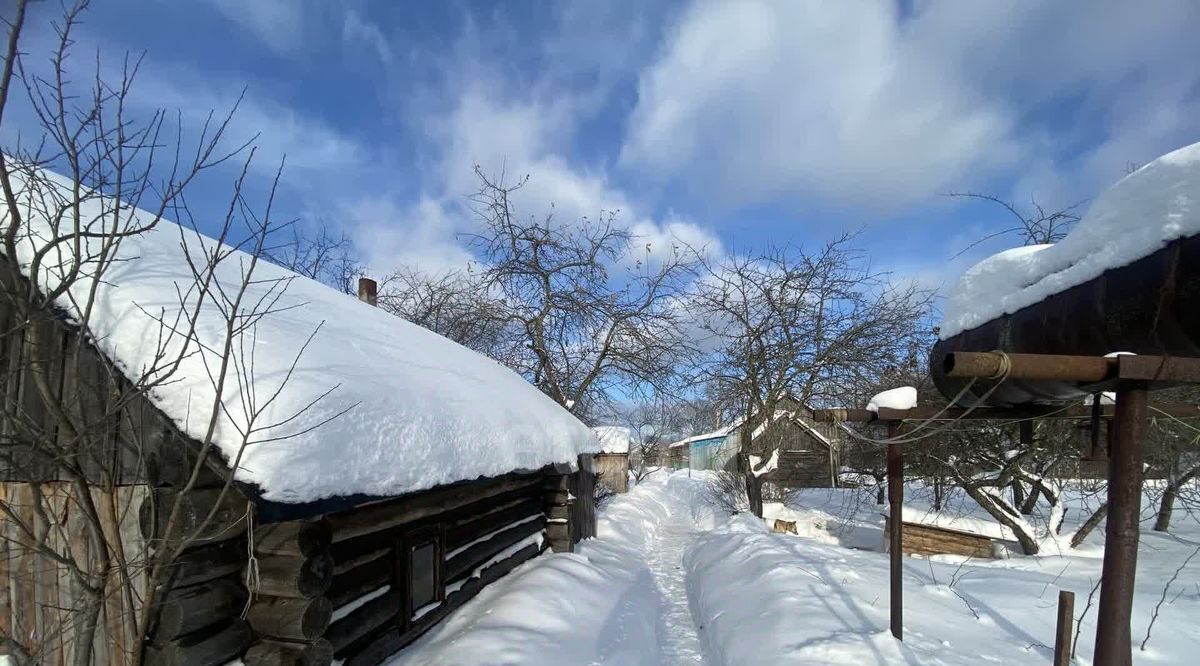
column 391, row 513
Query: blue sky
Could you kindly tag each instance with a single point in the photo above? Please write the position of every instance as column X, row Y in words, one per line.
column 731, row 124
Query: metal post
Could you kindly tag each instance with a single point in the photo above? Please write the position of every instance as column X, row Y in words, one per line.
column 1062, row 634
column 895, row 474
column 1113, row 641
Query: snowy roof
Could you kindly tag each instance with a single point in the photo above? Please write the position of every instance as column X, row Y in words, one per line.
column 613, row 439
column 423, row 411
column 1134, row 218
column 720, row 432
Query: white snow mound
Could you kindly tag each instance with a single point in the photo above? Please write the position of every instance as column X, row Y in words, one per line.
column 422, row 410
column 904, row 397
column 1136, row 217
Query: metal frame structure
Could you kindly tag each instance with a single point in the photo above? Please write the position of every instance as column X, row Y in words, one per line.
column 1132, row 377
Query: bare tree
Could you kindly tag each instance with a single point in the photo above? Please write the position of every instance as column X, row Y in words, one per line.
column 1035, row 226
column 590, row 316
column 812, row 325
column 76, row 445
column 454, row 303
column 323, row 257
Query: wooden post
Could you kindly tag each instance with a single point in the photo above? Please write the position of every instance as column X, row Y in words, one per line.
column 895, row 474
column 1062, row 634
column 1113, row 640
column 368, row 291
column 558, row 513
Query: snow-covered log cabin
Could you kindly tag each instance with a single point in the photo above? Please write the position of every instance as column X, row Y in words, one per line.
column 331, row 480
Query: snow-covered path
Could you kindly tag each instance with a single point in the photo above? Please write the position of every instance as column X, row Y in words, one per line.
column 680, row 641
column 619, row 600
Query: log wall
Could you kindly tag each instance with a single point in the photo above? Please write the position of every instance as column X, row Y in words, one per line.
column 337, row 588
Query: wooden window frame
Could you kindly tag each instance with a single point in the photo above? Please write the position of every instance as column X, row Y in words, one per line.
column 407, row 543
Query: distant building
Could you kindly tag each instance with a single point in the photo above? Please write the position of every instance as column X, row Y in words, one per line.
column 808, row 451
column 612, row 461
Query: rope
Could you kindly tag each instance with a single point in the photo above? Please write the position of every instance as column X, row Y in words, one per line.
column 252, row 579
column 1001, row 374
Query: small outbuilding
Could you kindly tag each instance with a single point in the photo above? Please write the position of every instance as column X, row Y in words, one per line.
column 612, row 459
column 331, row 480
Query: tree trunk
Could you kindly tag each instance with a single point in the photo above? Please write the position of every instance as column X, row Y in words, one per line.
column 937, row 493
column 1019, row 498
column 1003, row 515
column 1167, row 505
column 1089, row 525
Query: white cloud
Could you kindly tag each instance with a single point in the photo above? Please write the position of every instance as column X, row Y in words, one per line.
column 360, row 32
column 277, row 23
column 853, row 103
column 310, row 144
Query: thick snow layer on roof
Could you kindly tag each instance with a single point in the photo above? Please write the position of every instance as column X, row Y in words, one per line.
column 716, row 434
column 613, row 439
column 904, row 397
column 423, row 410
column 1135, row 217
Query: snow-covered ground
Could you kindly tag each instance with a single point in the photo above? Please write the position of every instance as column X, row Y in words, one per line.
column 618, row 600
column 668, row 581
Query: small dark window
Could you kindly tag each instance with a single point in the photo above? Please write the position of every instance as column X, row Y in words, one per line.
column 423, row 574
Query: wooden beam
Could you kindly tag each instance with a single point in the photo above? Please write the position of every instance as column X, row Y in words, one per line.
column 383, row 515
column 190, row 609
column 202, row 648
column 290, row 619
column 267, row 652
column 1062, row 632
column 297, row 577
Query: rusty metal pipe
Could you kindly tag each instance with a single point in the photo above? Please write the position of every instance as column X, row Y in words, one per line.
column 1113, row 647
column 895, row 479
column 991, row 365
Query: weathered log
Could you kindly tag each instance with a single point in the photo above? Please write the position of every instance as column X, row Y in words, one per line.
column 557, row 511
column 479, row 553
column 365, row 619
column 341, row 566
column 303, row 577
column 359, row 581
column 266, row 652
column 297, row 538
column 190, row 609
column 209, row 562
column 289, row 618
column 384, row 515
column 202, row 648
column 228, row 521
column 467, row 529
